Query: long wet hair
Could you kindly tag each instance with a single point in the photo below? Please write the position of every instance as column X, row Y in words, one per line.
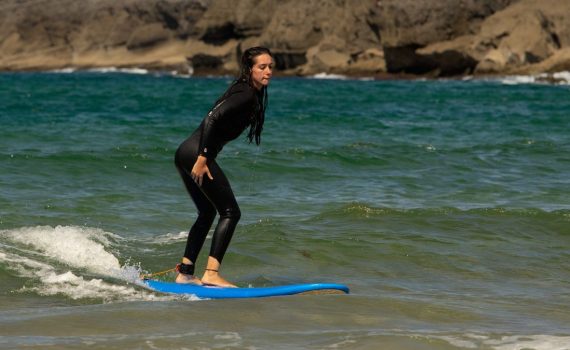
column 258, row 117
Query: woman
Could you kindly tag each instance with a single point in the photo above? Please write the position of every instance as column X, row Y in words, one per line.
column 242, row 105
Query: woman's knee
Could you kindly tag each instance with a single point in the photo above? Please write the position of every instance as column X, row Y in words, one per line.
column 207, row 215
column 232, row 213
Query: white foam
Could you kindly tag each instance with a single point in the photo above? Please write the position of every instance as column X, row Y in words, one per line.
column 565, row 76
column 25, row 267
column 78, row 248
column 75, row 246
column 510, row 342
column 518, row 79
column 329, row 76
column 536, row 342
column 64, row 70
column 174, row 237
column 558, row 78
column 187, row 74
column 139, row 71
column 170, row 237
column 119, row 70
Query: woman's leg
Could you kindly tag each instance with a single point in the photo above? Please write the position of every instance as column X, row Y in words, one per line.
column 206, row 216
column 220, row 194
column 199, row 231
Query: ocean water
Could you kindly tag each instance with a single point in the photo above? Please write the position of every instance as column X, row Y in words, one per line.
column 443, row 205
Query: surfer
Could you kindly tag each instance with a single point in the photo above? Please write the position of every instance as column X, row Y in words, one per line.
column 242, row 105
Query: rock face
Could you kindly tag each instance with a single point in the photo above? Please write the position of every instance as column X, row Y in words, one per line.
column 408, row 26
column 51, row 34
column 353, row 37
column 513, row 40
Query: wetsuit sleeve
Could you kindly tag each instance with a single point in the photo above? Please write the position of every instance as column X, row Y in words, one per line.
column 236, row 105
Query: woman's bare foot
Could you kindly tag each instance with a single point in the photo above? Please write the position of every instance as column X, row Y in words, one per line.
column 186, row 273
column 213, row 278
column 188, row 279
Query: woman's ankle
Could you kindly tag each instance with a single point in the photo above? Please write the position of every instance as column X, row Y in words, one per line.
column 185, row 269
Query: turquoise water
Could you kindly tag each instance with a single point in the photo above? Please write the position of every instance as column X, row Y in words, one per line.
column 443, row 205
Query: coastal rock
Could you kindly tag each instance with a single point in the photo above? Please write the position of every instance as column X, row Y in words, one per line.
column 512, row 39
column 209, row 59
column 147, row 36
column 310, row 37
column 526, row 33
column 370, row 61
column 225, row 20
column 360, row 38
column 49, row 34
column 420, row 23
column 409, row 27
column 558, row 62
column 494, row 61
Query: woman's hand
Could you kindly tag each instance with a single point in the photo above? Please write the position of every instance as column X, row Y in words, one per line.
column 199, row 169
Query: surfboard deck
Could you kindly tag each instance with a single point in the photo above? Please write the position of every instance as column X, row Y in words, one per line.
column 212, row 292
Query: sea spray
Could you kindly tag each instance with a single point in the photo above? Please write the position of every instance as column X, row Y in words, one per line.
column 72, row 261
column 78, row 247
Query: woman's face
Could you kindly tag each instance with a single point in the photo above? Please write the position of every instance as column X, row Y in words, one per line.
column 261, row 71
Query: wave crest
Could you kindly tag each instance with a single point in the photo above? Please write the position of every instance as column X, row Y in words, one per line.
column 73, row 261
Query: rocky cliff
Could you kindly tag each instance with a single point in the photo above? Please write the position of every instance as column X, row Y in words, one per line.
column 353, row 37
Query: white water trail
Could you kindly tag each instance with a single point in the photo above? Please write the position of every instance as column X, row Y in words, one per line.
column 61, row 259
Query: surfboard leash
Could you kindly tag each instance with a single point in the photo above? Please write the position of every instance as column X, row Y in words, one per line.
column 148, row 276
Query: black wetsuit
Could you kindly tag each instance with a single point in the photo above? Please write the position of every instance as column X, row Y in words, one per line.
column 225, row 122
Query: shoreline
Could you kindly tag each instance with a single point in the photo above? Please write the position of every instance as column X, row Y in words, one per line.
column 551, row 78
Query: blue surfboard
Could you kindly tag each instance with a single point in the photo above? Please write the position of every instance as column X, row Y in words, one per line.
column 212, row 292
